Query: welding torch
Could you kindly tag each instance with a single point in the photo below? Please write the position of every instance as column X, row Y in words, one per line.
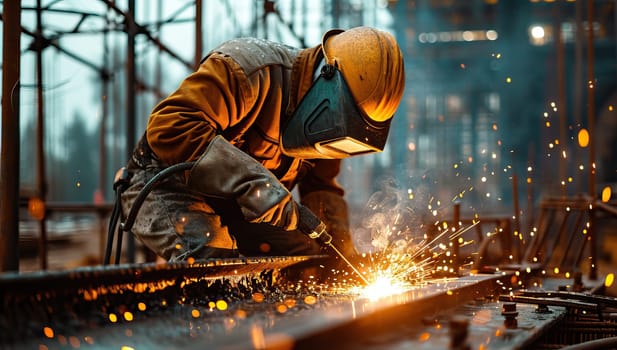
column 312, row 226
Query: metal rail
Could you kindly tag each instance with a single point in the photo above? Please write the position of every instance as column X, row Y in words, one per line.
column 179, row 297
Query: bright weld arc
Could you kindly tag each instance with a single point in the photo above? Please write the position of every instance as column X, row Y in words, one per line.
column 391, row 281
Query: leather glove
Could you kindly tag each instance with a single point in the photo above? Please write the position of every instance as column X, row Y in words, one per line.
column 225, row 171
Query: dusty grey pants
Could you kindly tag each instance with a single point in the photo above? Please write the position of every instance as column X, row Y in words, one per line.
column 177, row 223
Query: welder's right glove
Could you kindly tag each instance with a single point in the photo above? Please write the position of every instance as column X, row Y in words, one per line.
column 332, row 209
column 225, row 171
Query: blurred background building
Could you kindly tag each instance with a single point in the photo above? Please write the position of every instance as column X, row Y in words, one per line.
column 505, row 101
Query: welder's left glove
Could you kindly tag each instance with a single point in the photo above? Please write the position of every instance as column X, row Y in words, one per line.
column 225, row 171
column 331, row 208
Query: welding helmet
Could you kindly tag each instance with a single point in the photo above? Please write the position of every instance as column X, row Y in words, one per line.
column 348, row 109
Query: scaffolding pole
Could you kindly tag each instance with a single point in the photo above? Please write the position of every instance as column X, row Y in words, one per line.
column 9, row 164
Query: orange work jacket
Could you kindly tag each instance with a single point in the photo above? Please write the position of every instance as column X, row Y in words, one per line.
column 244, row 90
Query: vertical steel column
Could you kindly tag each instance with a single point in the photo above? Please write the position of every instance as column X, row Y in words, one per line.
column 105, row 77
column 577, row 83
column 336, row 13
column 9, row 158
column 131, row 31
column 591, row 108
column 130, row 78
column 41, row 179
column 591, row 115
column 305, row 11
column 517, row 220
column 400, row 124
column 157, row 64
column 561, row 101
column 456, row 225
column 103, row 185
column 198, row 34
column 530, row 212
column 268, row 8
column 102, row 136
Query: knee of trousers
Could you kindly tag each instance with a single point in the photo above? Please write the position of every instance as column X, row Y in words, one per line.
column 174, row 222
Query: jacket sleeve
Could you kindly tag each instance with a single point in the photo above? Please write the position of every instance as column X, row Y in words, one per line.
column 207, row 102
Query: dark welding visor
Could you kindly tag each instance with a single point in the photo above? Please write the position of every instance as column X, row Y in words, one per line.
column 328, row 124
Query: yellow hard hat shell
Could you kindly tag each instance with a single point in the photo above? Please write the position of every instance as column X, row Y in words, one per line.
column 371, row 62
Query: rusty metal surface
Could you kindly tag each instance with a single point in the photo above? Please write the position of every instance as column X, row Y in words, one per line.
column 109, row 275
column 598, row 300
column 180, row 306
column 363, row 323
column 257, row 314
column 486, row 329
column 550, row 302
column 84, row 299
column 348, row 322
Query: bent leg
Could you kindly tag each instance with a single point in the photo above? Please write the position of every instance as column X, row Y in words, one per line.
column 175, row 223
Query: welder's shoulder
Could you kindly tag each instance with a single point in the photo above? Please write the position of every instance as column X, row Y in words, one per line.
column 253, row 54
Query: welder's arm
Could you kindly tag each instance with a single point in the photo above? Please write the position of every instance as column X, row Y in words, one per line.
column 208, row 102
column 225, row 171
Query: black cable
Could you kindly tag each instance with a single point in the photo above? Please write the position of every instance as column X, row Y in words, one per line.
column 163, row 174
column 113, row 220
column 120, row 185
column 119, row 246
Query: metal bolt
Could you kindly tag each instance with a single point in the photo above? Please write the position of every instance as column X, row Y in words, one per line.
column 578, row 282
column 509, row 312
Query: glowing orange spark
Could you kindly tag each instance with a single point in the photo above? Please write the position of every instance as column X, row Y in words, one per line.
column 583, row 138
column 606, row 194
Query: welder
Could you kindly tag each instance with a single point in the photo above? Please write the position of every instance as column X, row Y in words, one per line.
column 266, row 126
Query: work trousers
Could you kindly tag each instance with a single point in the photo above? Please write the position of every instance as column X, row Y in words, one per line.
column 176, row 222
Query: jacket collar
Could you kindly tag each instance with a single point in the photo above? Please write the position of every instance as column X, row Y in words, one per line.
column 302, row 75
